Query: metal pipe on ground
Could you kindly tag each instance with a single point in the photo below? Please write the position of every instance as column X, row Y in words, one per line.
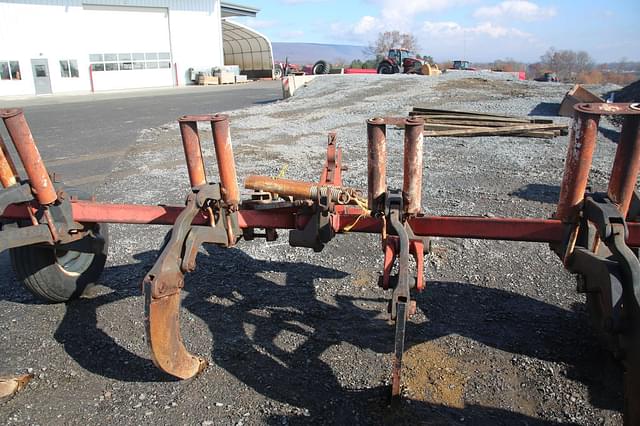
column 626, row 164
column 412, row 182
column 582, row 142
column 226, row 163
column 22, row 138
column 376, row 163
column 8, row 174
column 192, row 148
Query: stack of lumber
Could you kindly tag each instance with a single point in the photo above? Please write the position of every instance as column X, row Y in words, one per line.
column 440, row 122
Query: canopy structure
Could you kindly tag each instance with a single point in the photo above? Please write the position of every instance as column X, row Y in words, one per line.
column 248, row 49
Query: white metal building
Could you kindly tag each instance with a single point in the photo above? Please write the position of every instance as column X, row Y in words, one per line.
column 55, row 46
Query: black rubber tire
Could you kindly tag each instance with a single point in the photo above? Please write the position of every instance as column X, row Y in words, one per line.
column 385, row 68
column 57, row 276
column 321, row 67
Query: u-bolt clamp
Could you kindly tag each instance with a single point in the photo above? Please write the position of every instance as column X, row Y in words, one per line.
column 612, row 272
column 318, row 231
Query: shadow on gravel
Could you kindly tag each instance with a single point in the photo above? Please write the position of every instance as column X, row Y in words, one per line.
column 538, row 192
column 521, row 325
column 548, row 109
column 274, row 335
column 92, row 348
column 612, row 135
column 412, row 412
column 266, row 101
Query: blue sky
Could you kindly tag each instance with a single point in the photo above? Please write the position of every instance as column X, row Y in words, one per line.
column 478, row 30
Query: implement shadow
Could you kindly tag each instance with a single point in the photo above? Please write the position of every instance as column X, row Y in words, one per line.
column 522, row 325
column 97, row 351
column 541, row 192
column 274, row 334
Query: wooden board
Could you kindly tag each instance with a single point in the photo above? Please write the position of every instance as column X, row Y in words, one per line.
column 576, row 95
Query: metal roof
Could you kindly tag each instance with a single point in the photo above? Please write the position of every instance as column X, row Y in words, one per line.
column 246, row 47
column 233, row 9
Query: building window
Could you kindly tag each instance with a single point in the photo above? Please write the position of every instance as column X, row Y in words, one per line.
column 10, row 70
column 129, row 61
column 69, row 68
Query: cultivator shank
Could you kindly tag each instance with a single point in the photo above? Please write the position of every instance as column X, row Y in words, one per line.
column 594, row 234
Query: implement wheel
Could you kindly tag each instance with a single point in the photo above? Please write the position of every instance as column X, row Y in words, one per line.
column 56, row 275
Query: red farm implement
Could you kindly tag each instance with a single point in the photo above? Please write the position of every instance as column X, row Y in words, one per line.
column 57, row 237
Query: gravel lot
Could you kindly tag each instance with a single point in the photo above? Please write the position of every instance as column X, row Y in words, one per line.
column 296, row 337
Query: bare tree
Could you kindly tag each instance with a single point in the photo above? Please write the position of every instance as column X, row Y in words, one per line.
column 390, row 40
column 567, row 64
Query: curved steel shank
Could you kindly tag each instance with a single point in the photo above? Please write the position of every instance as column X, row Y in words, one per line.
column 164, row 281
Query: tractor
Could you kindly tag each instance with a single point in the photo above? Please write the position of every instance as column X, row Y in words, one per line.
column 400, row 61
column 462, row 65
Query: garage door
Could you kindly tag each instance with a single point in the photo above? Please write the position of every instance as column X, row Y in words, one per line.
column 129, row 47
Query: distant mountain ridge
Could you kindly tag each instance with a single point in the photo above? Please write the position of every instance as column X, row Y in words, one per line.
column 308, row 53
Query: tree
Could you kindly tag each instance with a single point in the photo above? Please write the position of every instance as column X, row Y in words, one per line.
column 390, row 40
column 356, row 63
column 428, row 59
column 507, row 65
column 340, row 62
column 567, row 64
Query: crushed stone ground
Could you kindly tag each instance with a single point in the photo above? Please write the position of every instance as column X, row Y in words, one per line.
column 296, row 337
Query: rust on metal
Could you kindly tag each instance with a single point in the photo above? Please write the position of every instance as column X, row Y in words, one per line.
column 8, row 174
column 582, row 142
column 322, row 209
column 9, row 386
column 192, row 150
column 22, row 138
column 488, row 228
column 224, row 155
column 301, row 190
column 608, row 109
column 626, row 165
column 412, row 182
column 376, row 163
column 163, row 330
column 332, row 171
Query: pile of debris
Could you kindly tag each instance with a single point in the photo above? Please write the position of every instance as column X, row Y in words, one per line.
column 440, row 122
column 630, row 93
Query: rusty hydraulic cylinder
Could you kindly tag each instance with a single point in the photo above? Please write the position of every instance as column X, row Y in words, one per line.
column 582, row 142
column 8, row 174
column 297, row 189
column 226, row 162
column 376, row 163
column 300, row 190
column 192, row 150
column 412, row 183
column 22, row 138
column 626, row 164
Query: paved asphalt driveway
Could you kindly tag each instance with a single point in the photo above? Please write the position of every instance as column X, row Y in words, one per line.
column 82, row 137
